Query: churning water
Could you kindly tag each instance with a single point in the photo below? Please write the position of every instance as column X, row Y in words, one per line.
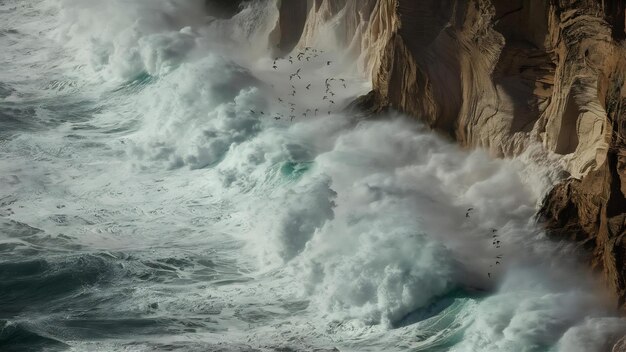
column 162, row 187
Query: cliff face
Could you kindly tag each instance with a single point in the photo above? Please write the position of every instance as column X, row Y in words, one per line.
column 504, row 75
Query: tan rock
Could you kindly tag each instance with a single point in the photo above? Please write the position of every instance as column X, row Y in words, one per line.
column 504, row 75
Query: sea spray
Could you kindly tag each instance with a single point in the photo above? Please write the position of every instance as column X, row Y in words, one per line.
column 160, row 156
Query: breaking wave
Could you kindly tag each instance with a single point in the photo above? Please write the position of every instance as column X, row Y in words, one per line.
column 165, row 187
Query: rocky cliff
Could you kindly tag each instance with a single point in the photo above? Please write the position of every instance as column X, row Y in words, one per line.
column 504, row 75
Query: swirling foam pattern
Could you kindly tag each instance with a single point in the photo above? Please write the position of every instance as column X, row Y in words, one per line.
column 164, row 188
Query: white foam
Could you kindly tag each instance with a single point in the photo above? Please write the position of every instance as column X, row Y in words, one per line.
column 369, row 222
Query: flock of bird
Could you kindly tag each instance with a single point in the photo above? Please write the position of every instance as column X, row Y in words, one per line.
column 330, row 85
column 495, row 242
column 307, row 55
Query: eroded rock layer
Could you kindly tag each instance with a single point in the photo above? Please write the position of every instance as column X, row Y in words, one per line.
column 505, row 75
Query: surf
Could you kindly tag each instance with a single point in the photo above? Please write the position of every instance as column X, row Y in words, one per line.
column 152, row 167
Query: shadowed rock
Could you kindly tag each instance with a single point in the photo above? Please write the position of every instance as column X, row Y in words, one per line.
column 224, row 8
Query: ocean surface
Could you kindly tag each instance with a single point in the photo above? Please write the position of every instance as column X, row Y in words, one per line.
column 164, row 187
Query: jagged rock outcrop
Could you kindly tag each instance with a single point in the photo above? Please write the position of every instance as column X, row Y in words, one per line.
column 504, row 75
